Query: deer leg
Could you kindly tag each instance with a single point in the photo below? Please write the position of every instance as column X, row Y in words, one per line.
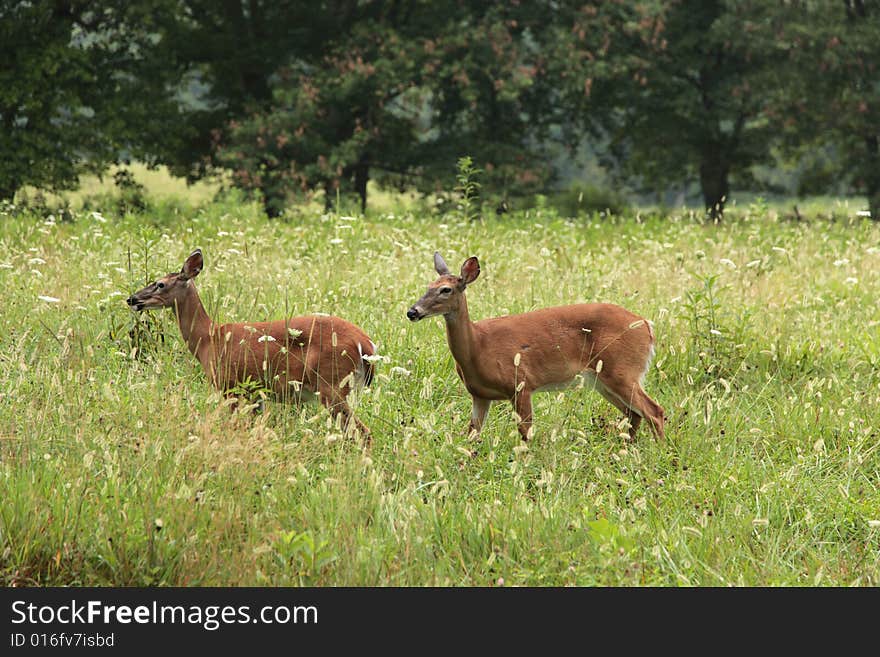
column 335, row 402
column 654, row 413
column 522, row 405
column 634, row 418
column 635, row 404
column 478, row 416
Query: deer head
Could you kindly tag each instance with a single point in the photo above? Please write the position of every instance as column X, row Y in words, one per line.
column 444, row 295
column 169, row 290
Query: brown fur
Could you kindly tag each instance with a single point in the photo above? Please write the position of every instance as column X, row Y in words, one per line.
column 606, row 342
column 290, row 357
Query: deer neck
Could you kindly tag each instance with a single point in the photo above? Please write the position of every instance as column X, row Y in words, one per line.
column 460, row 335
column 195, row 325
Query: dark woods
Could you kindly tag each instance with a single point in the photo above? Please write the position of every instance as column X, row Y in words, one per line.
column 300, row 97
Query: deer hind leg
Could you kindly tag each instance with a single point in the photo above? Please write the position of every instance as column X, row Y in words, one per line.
column 634, row 418
column 653, row 412
column 334, row 399
column 635, row 404
column 478, row 416
column 522, row 404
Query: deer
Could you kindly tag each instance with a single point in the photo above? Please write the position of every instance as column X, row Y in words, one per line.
column 514, row 356
column 296, row 359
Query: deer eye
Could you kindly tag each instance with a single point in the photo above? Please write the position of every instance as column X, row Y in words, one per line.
column 445, row 290
column 160, row 285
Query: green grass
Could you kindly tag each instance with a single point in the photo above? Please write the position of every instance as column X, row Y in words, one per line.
column 121, row 467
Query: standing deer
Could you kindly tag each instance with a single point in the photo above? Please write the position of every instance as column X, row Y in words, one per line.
column 295, row 358
column 513, row 356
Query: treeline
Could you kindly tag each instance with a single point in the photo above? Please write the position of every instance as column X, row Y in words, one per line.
column 298, row 96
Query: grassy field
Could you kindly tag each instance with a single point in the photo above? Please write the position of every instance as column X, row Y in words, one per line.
column 120, row 466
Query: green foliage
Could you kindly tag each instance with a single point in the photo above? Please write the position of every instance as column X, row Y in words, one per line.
column 286, row 102
column 468, row 189
column 396, row 97
column 72, row 87
column 588, row 199
column 490, row 95
column 680, row 89
column 339, row 114
column 124, row 470
column 829, row 99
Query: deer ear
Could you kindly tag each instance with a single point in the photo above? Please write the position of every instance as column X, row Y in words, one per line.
column 440, row 264
column 470, row 270
column 193, row 265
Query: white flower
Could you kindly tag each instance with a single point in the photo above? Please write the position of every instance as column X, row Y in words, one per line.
column 400, row 370
column 36, row 261
column 266, row 338
column 48, row 299
column 336, row 240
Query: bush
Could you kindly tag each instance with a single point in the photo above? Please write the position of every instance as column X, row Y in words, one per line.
column 588, row 199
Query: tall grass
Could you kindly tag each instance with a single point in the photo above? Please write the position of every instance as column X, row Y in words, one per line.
column 119, row 465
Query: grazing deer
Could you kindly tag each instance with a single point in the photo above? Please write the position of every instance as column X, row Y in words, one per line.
column 514, row 356
column 295, row 358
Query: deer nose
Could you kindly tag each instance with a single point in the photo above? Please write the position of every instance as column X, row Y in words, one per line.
column 412, row 314
column 130, row 301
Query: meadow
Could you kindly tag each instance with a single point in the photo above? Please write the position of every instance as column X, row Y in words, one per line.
column 119, row 465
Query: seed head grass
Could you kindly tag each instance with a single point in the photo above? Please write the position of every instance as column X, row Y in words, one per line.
column 119, row 465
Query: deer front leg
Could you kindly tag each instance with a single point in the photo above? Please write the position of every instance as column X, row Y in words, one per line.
column 522, row 405
column 478, row 416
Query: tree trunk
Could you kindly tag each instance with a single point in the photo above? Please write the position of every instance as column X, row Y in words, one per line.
column 714, row 182
column 872, row 176
column 271, row 204
column 7, row 191
column 361, row 177
column 329, row 196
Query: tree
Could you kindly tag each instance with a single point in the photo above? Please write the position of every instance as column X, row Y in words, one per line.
column 73, row 75
column 679, row 87
column 397, row 92
column 335, row 117
column 832, row 93
column 224, row 54
column 491, row 97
